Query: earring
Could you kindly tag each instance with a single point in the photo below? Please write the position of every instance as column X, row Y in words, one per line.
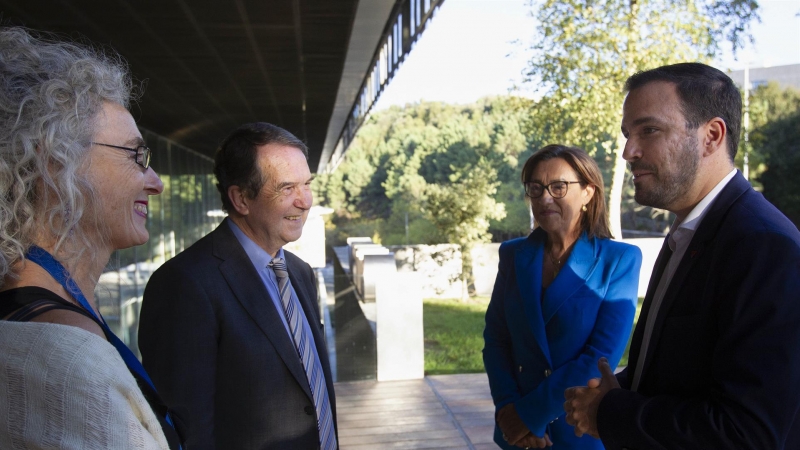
column 584, row 208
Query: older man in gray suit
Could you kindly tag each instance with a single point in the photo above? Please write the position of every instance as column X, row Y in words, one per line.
column 230, row 331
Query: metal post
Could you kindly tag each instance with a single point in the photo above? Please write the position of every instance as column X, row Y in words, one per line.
column 406, row 227
column 746, row 147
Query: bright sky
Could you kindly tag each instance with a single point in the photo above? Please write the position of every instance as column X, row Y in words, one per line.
column 468, row 50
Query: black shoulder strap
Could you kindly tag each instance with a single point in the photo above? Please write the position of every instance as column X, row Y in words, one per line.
column 25, row 303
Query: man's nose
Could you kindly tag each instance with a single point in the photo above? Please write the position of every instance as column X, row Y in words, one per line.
column 304, row 199
column 631, row 151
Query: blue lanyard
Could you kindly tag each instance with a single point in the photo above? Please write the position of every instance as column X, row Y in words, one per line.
column 60, row 274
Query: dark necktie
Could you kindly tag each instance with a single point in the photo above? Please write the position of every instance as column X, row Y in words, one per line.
column 308, row 356
column 652, row 313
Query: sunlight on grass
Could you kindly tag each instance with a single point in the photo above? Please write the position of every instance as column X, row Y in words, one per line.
column 454, row 335
column 624, row 360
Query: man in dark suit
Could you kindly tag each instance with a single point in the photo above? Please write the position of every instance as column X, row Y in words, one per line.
column 714, row 357
column 235, row 347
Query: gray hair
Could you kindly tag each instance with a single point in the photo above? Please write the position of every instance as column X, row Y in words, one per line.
column 50, row 94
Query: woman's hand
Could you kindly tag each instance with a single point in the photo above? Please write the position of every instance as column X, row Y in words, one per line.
column 531, row 441
column 515, row 432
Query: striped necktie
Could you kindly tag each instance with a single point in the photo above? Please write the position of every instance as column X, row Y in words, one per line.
column 308, row 355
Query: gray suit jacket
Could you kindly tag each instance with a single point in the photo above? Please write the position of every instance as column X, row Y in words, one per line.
column 219, row 355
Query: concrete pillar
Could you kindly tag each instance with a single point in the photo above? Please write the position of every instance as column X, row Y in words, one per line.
column 399, row 330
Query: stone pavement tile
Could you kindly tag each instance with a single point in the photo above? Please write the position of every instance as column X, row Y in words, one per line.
column 365, row 386
column 471, row 406
column 362, row 422
column 465, row 395
column 383, row 399
column 410, row 414
column 468, row 418
column 420, row 416
column 377, row 395
column 368, row 408
column 388, row 401
column 480, row 434
column 474, row 420
column 350, row 392
column 459, row 379
column 389, row 438
column 439, row 444
column 491, row 446
column 430, row 425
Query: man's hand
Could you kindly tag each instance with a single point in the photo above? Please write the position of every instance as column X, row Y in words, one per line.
column 582, row 402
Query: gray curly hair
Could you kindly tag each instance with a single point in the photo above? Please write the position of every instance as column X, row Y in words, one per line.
column 50, row 94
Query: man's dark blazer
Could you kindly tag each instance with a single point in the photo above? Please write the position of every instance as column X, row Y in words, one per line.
column 218, row 353
column 723, row 365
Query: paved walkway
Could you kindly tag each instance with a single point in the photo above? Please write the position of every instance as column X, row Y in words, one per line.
column 437, row 412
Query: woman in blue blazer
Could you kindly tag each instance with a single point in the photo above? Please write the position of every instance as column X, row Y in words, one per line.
column 564, row 297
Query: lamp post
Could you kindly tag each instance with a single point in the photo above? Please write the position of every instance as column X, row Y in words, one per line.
column 746, row 147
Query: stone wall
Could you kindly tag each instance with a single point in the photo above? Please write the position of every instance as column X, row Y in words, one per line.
column 440, row 267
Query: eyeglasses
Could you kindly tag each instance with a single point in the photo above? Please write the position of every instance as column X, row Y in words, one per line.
column 142, row 156
column 557, row 189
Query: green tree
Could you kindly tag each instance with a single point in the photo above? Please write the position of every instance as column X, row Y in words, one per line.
column 775, row 140
column 461, row 211
column 768, row 103
column 586, row 49
column 781, row 148
column 383, row 182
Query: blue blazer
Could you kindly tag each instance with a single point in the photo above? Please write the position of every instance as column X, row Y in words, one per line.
column 537, row 347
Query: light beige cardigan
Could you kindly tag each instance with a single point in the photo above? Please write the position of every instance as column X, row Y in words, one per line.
column 66, row 388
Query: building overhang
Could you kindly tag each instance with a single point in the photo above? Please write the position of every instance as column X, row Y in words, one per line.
column 210, row 66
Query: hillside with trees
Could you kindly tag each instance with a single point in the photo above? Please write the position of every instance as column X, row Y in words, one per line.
column 433, row 173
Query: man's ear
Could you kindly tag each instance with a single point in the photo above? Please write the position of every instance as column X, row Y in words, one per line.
column 239, row 200
column 714, row 134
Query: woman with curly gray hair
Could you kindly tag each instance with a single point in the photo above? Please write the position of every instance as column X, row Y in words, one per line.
column 75, row 175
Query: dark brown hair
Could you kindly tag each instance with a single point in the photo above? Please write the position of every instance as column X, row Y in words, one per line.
column 595, row 220
column 235, row 160
column 704, row 92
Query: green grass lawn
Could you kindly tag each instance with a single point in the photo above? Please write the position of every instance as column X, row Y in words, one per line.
column 454, row 335
column 624, row 360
